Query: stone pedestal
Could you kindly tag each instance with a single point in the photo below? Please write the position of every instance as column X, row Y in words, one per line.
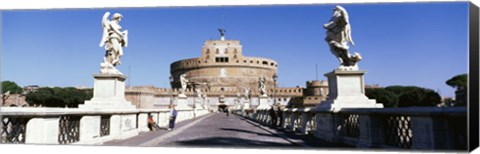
column 182, row 103
column 347, row 90
column 108, row 93
column 263, row 102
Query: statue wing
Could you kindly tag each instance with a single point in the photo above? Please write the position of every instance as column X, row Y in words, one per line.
column 125, row 38
column 347, row 29
column 105, row 25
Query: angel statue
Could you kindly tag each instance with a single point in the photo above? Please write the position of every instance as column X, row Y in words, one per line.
column 338, row 37
column 198, row 92
column 113, row 39
column 183, row 82
column 261, row 86
column 247, row 93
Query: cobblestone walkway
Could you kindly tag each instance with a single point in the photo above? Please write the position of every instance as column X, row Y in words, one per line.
column 219, row 130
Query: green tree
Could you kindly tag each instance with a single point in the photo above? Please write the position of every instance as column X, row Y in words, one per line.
column 415, row 96
column 42, row 96
column 9, row 87
column 387, row 98
column 59, row 97
column 458, row 81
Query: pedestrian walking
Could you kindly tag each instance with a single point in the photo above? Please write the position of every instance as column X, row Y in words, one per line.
column 173, row 117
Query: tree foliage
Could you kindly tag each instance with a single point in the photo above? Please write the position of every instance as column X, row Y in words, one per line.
column 58, row 97
column 458, row 81
column 388, row 98
column 415, row 96
column 404, row 96
column 11, row 88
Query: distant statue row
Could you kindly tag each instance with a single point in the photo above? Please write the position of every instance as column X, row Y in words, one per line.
column 338, row 37
column 184, row 83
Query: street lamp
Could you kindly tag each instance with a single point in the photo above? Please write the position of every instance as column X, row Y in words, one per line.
column 275, row 77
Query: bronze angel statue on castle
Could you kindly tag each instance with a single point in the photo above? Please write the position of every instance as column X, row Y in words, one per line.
column 338, row 37
column 113, row 39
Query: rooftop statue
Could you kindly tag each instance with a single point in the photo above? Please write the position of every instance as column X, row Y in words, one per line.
column 113, row 40
column 338, row 37
column 222, row 32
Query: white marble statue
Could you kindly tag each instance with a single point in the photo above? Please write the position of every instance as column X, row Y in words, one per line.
column 113, row 40
column 183, row 82
column 338, row 37
column 261, row 86
column 247, row 93
column 198, row 92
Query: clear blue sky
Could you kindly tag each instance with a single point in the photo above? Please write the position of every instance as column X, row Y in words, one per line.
column 421, row 44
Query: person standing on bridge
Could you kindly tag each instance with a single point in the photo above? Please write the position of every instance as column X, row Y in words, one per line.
column 173, row 116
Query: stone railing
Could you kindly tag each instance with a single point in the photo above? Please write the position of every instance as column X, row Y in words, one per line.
column 79, row 126
column 428, row 128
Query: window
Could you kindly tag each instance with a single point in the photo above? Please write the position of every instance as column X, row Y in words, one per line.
column 265, row 63
column 221, row 59
column 217, row 52
column 226, row 51
column 235, row 56
column 235, row 51
column 208, row 51
column 244, row 61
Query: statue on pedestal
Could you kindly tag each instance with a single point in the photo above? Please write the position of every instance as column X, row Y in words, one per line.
column 183, row 82
column 113, row 40
column 198, row 92
column 247, row 94
column 261, row 86
column 338, row 37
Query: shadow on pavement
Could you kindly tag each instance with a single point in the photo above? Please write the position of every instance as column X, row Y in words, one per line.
column 246, row 131
column 233, row 142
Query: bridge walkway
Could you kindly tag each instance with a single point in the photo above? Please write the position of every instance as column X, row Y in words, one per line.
column 220, row 130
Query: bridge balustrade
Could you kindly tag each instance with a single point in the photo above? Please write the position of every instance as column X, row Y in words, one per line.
column 79, row 126
column 397, row 128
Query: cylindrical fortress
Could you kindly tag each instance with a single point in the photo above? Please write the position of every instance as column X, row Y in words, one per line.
column 223, row 68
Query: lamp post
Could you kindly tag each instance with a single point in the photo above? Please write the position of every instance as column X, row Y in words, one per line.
column 275, row 77
column 171, row 94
